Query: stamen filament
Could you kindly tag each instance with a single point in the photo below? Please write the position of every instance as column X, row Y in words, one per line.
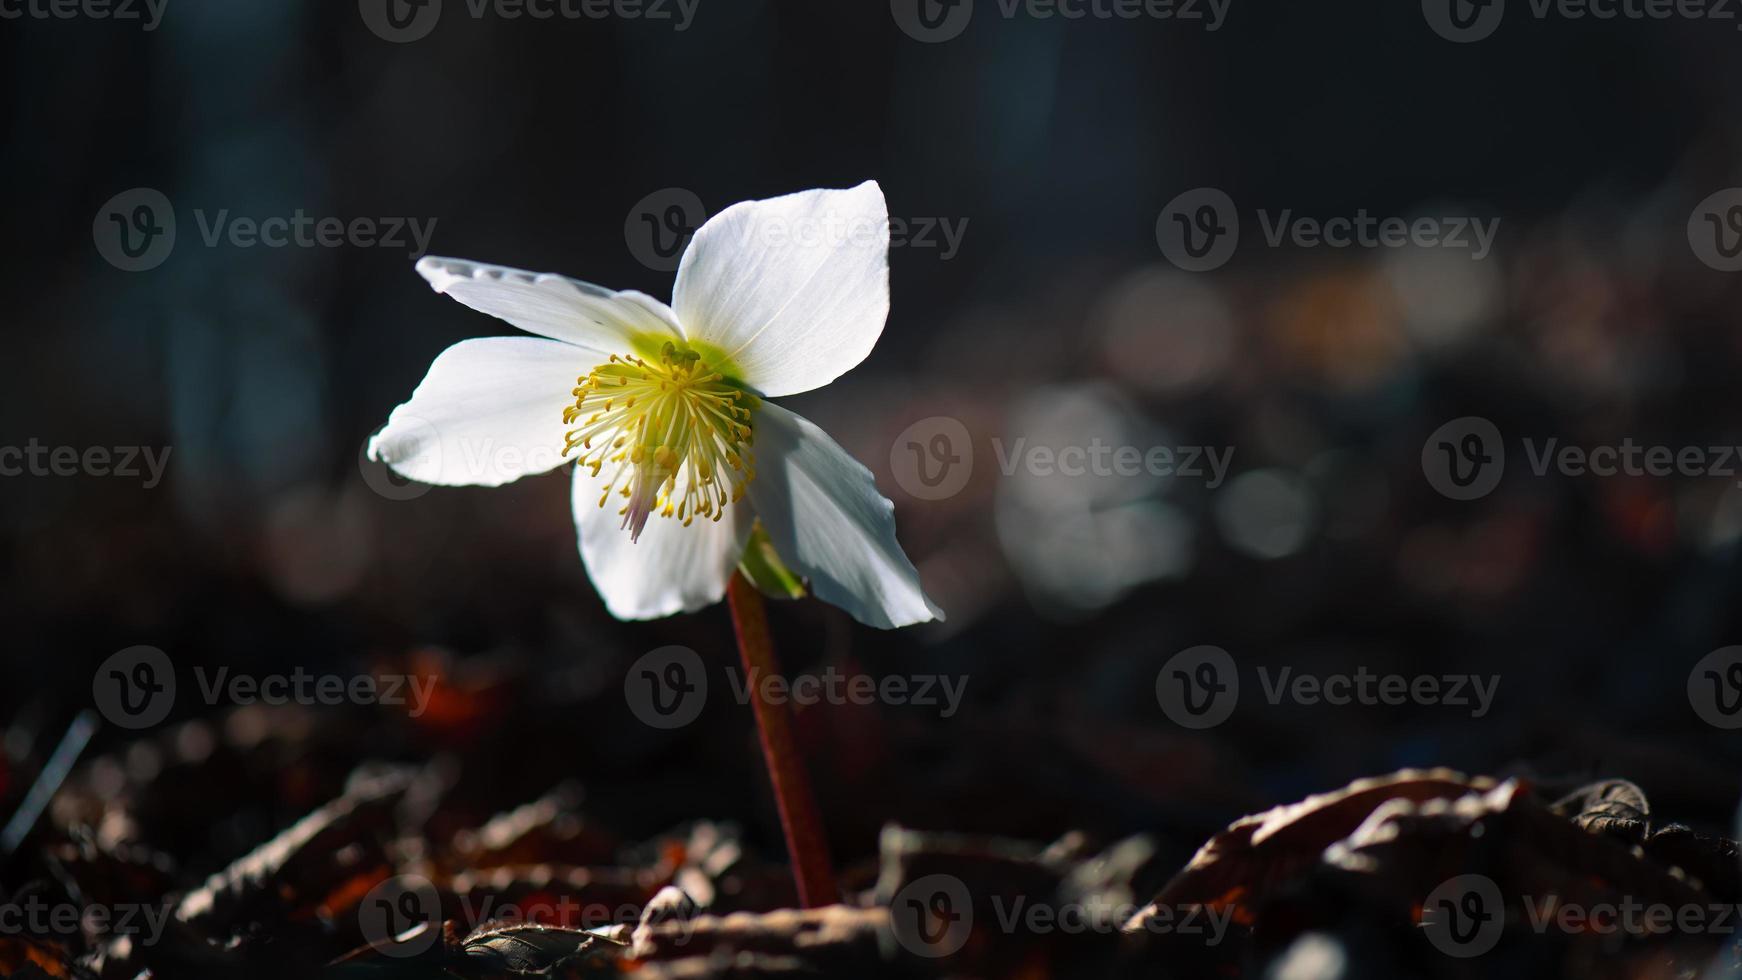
column 677, row 433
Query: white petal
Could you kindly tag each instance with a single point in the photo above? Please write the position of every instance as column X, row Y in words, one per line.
column 793, row 289
column 671, row 569
column 488, row 412
column 553, row 306
column 827, row 520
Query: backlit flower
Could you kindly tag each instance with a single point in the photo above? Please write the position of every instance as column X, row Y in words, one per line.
column 661, row 411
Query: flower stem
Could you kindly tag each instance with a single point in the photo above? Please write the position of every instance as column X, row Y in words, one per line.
column 799, row 820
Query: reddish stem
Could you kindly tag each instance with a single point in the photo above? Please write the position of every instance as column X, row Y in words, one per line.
column 805, row 842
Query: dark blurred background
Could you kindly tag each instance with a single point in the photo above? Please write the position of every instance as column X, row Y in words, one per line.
column 1053, row 145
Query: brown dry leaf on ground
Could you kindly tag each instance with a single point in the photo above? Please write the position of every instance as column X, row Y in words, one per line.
column 410, row 871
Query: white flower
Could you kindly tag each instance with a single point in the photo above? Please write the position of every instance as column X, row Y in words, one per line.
column 661, row 406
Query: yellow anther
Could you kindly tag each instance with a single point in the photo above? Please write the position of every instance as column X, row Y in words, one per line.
column 671, row 437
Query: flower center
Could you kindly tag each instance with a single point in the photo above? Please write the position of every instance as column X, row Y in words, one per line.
column 675, row 436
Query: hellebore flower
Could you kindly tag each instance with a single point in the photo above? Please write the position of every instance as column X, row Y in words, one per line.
column 678, row 459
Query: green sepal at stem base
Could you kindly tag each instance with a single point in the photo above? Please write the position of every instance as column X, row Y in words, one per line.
column 763, row 567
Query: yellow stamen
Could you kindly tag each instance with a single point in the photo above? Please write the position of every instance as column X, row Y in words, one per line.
column 676, row 433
